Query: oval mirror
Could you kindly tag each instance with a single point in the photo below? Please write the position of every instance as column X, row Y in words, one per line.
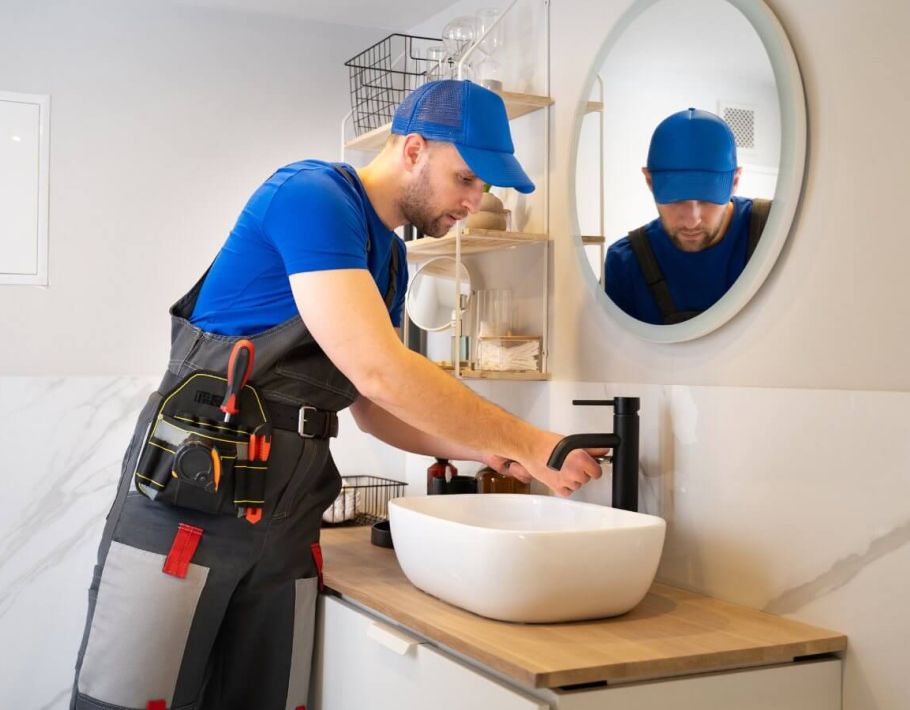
column 689, row 163
column 431, row 301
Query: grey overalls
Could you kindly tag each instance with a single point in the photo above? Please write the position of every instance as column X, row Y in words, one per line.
column 230, row 625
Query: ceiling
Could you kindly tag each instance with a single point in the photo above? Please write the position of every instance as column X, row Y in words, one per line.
column 386, row 14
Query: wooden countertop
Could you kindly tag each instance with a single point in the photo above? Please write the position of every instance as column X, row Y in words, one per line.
column 672, row 632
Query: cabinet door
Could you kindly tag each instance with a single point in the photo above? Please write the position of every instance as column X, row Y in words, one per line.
column 361, row 662
column 809, row 685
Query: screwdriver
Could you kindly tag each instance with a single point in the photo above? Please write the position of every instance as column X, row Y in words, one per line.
column 240, row 365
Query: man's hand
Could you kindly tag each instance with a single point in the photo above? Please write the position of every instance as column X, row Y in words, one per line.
column 578, row 469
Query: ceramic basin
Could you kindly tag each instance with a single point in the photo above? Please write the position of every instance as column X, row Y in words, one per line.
column 527, row 558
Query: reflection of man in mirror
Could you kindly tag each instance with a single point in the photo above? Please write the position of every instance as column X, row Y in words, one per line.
column 680, row 264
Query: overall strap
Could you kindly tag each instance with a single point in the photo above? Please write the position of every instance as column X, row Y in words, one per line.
column 394, row 266
column 654, row 278
column 759, row 216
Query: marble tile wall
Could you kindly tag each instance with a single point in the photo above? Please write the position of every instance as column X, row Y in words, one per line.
column 792, row 501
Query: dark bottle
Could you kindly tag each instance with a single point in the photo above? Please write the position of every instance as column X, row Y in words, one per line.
column 489, row 481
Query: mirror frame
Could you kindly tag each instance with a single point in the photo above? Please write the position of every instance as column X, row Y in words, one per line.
column 457, row 282
column 787, row 194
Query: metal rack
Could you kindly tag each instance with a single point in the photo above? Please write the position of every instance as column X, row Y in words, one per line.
column 382, row 75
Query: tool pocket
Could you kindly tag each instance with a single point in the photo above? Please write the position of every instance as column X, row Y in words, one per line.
column 191, row 459
column 139, row 629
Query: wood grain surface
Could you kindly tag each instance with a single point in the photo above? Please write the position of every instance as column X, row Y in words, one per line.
column 672, row 632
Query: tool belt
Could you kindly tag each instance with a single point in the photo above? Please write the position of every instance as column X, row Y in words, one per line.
column 192, row 459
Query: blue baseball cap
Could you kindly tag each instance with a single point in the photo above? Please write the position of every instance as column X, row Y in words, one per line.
column 692, row 157
column 473, row 119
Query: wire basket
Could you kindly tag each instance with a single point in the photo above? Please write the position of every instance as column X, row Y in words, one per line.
column 363, row 500
column 382, row 75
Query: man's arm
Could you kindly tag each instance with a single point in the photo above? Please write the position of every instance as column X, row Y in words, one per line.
column 374, row 420
column 344, row 312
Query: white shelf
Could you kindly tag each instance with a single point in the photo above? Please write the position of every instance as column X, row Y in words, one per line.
column 517, row 105
column 473, row 241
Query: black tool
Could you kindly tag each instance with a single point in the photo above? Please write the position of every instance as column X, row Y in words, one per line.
column 240, row 365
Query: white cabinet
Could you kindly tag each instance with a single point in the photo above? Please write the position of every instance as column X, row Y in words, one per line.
column 808, row 685
column 361, row 662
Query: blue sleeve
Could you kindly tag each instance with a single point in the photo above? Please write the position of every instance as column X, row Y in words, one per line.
column 401, row 289
column 316, row 224
column 617, row 283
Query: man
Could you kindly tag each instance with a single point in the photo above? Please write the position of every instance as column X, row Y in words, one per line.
column 205, row 590
column 680, row 264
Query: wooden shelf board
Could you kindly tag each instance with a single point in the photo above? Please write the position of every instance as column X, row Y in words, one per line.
column 473, row 241
column 496, row 375
column 592, row 239
column 374, row 140
column 517, row 105
column 468, row 374
column 594, row 106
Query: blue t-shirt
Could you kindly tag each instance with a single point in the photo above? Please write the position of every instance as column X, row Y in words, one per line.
column 305, row 217
column 696, row 280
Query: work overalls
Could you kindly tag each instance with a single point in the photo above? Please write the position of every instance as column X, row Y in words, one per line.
column 193, row 609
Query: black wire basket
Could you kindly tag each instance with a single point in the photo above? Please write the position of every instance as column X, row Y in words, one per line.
column 363, row 500
column 382, row 75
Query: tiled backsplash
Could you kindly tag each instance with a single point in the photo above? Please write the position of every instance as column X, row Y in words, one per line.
column 792, row 501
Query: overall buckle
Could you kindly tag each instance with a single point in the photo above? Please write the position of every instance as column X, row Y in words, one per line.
column 301, row 421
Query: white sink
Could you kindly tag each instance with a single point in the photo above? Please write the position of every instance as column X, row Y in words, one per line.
column 527, row 558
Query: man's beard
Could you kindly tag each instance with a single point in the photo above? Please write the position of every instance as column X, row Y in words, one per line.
column 707, row 239
column 415, row 206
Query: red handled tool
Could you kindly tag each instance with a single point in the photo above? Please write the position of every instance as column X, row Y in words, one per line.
column 240, row 365
column 260, row 447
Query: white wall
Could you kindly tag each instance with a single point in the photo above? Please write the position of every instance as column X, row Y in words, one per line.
column 164, row 119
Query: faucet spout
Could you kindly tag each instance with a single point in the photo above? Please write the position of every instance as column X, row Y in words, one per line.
column 624, row 443
column 580, row 441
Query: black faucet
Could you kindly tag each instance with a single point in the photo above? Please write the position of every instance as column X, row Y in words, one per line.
column 623, row 441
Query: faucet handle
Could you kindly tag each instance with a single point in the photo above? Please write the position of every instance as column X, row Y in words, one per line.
column 621, row 405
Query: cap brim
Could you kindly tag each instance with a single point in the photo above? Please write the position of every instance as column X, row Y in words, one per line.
column 496, row 168
column 703, row 185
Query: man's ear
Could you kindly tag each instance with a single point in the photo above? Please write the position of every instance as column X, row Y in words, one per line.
column 413, row 149
column 739, row 171
column 647, row 174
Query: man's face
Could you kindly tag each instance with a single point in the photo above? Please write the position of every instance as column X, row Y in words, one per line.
column 693, row 225
column 441, row 191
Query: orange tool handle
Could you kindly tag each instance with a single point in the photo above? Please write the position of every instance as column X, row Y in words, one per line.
column 261, row 442
column 240, row 365
column 216, row 467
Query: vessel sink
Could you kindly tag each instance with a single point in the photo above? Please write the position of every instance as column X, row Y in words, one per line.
column 527, row 558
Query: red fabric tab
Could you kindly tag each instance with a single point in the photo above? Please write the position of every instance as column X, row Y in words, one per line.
column 182, row 550
column 159, row 705
column 317, row 558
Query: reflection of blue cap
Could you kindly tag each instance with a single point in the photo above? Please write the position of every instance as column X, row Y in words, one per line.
column 471, row 117
column 692, row 157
